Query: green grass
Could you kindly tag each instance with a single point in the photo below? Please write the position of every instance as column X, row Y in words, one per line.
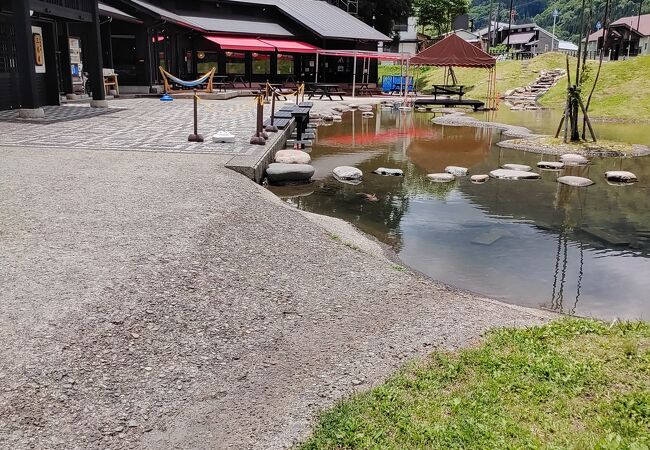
column 623, row 90
column 569, row 384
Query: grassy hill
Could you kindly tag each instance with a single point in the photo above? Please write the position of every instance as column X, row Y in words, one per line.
column 623, row 90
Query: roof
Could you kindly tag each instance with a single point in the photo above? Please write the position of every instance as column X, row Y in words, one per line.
column 519, row 38
column 324, row 19
column 238, row 26
column 106, row 10
column 163, row 13
column 631, row 22
column 466, row 35
column 495, row 26
column 566, row 45
column 453, row 51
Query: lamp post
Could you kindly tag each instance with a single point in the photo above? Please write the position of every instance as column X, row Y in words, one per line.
column 556, row 13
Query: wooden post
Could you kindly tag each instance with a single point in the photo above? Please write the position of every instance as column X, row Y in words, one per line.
column 196, row 137
column 259, row 136
column 25, row 52
column 272, row 127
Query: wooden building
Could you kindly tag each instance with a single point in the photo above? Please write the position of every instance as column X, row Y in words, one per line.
column 34, row 51
column 49, row 48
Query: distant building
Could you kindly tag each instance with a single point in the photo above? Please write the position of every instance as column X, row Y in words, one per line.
column 528, row 38
column 627, row 36
column 566, row 47
column 466, row 35
column 409, row 40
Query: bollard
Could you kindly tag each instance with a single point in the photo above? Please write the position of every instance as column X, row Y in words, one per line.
column 196, row 137
column 272, row 127
column 259, row 138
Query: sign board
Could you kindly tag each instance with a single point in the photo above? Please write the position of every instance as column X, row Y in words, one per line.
column 39, row 51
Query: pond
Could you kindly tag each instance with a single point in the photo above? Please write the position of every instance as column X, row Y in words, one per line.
column 583, row 251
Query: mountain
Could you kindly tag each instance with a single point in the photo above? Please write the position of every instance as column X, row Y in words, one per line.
column 541, row 12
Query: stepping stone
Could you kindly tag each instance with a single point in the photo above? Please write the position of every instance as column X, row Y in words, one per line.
column 292, row 157
column 479, row 179
column 348, row 174
column 389, row 172
column 573, row 159
column 521, row 167
column 505, row 174
column 491, row 236
column 550, row 165
column 620, row 176
column 279, row 172
column 456, row 170
column 223, row 136
column 570, row 180
column 441, row 177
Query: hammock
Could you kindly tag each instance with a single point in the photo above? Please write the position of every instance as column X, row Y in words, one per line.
column 190, row 84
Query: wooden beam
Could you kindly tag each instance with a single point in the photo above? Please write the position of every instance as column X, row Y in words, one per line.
column 42, row 7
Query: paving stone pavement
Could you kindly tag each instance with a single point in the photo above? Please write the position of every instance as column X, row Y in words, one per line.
column 145, row 124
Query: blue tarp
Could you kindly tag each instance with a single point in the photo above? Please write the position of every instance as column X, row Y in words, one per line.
column 392, row 83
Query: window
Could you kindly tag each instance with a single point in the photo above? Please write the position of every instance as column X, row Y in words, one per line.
column 205, row 61
column 261, row 64
column 235, row 63
column 285, row 64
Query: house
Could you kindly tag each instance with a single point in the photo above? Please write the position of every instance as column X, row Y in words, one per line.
column 409, row 39
column 625, row 37
column 251, row 40
column 566, row 47
column 527, row 38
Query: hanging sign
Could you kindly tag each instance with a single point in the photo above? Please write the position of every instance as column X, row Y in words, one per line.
column 39, row 52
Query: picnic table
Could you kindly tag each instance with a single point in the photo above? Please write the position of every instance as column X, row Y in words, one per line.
column 324, row 90
column 239, row 79
column 221, row 82
column 449, row 90
column 363, row 88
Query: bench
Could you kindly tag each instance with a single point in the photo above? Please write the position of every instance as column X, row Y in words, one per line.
column 281, row 123
column 449, row 90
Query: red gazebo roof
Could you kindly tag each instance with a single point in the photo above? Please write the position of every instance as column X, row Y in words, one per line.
column 453, row 51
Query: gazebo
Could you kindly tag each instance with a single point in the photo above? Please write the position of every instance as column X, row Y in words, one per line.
column 453, row 51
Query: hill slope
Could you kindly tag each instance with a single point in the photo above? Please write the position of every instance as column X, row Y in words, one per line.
column 623, row 91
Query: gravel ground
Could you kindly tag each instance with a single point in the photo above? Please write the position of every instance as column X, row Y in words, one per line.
column 153, row 300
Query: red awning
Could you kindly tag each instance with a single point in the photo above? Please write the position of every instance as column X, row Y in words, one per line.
column 241, row 43
column 285, row 46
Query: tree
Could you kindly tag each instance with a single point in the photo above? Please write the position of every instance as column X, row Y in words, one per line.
column 383, row 14
column 439, row 15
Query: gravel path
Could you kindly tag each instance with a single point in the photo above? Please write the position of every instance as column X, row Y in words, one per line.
column 158, row 300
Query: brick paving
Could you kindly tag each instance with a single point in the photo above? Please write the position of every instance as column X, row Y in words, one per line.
column 139, row 124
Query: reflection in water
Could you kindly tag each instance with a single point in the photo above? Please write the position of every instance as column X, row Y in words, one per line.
column 535, row 243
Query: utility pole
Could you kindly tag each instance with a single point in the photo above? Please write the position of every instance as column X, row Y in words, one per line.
column 509, row 26
column 555, row 14
column 489, row 27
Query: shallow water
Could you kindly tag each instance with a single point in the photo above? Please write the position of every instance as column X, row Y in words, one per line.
column 583, row 251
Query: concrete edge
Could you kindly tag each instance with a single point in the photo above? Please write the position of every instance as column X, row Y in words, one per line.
column 254, row 166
